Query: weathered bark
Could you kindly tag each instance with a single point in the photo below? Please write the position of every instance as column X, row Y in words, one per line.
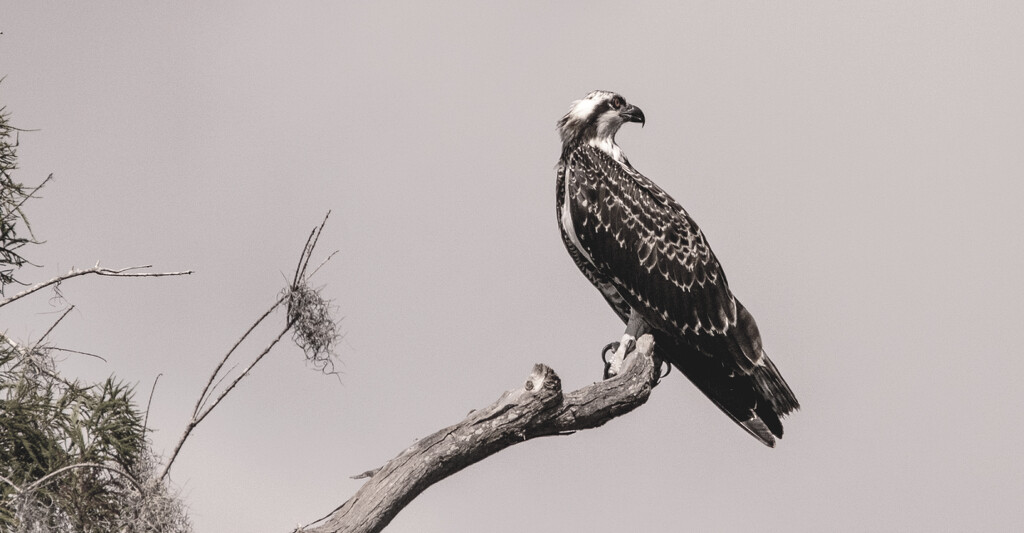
column 537, row 409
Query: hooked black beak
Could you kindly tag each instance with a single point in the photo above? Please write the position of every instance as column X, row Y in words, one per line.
column 633, row 113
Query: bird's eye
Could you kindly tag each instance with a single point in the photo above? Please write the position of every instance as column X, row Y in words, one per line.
column 617, row 102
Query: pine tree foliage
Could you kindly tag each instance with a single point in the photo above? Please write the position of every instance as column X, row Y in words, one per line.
column 73, row 456
column 15, row 231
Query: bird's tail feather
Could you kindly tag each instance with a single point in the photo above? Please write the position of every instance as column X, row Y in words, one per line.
column 770, row 384
column 756, row 401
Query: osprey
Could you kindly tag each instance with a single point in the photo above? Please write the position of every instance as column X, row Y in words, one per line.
column 654, row 267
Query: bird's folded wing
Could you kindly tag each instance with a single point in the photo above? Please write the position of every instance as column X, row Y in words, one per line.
column 647, row 245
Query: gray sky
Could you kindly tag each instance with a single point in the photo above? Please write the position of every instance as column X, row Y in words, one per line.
column 856, row 167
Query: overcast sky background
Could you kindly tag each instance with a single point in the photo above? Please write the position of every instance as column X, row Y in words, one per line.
column 856, row 166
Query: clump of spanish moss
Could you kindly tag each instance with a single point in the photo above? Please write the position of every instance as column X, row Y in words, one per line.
column 157, row 507
column 149, row 506
column 313, row 326
column 310, row 316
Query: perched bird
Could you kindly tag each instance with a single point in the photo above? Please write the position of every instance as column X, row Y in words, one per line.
column 654, row 267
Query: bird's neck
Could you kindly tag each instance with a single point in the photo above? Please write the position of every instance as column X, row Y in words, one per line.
column 606, row 143
column 603, row 140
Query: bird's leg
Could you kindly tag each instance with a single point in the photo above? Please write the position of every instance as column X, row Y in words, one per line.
column 635, row 327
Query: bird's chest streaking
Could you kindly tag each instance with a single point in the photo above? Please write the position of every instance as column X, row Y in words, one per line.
column 580, row 188
column 589, row 179
column 568, row 201
column 637, row 239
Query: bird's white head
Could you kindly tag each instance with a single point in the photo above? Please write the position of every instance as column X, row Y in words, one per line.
column 596, row 119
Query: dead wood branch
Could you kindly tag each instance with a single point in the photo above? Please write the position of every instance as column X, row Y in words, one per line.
column 99, row 271
column 537, row 409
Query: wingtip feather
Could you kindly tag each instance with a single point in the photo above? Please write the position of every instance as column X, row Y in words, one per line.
column 757, row 428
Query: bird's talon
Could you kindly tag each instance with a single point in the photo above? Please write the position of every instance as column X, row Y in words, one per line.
column 611, row 347
column 662, row 375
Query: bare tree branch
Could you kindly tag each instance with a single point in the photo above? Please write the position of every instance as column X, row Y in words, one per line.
column 299, row 282
column 198, row 416
column 204, row 396
column 98, row 270
column 537, row 409
column 244, row 373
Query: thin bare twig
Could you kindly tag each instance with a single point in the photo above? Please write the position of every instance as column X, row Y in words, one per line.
column 243, row 374
column 31, row 194
column 39, row 482
column 13, row 344
column 54, row 325
column 204, row 395
column 11, row 483
column 197, row 418
column 99, row 271
column 79, row 352
column 145, row 421
column 322, row 263
column 26, row 354
column 32, row 190
column 303, row 258
column 307, row 251
column 216, row 385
